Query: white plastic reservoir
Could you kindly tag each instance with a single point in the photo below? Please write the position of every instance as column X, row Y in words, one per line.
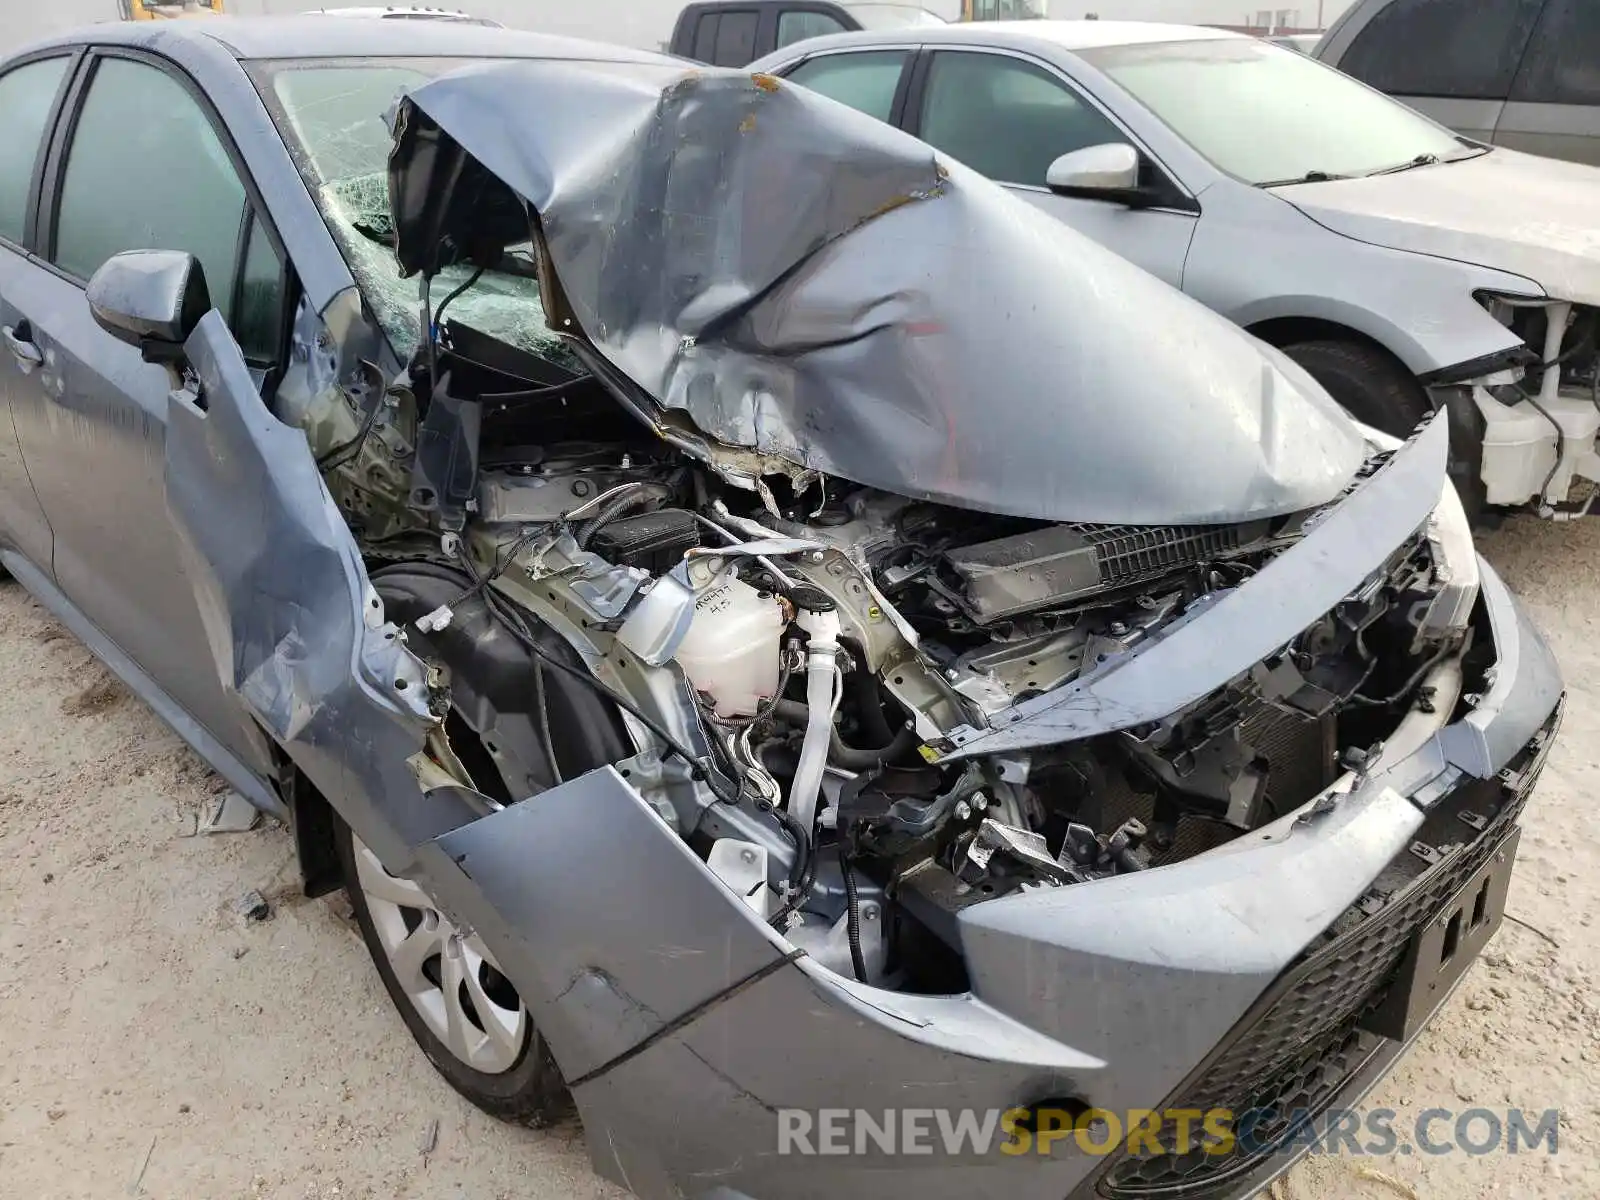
column 731, row 651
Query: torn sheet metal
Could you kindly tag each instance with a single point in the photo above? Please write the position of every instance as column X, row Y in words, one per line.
column 801, row 280
column 609, row 925
column 294, row 626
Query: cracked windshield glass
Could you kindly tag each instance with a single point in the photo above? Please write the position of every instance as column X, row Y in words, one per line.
column 333, row 115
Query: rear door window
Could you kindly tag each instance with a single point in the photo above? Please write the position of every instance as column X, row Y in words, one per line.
column 736, row 39
column 796, row 25
column 27, row 94
column 1563, row 63
column 865, row 80
column 1452, row 49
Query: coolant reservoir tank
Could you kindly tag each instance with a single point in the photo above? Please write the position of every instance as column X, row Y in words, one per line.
column 732, row 648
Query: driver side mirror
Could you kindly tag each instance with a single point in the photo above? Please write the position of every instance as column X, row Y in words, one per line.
column 151, row 299
column 1107, row 172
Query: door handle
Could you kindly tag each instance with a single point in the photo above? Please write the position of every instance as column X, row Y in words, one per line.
column 27, row 354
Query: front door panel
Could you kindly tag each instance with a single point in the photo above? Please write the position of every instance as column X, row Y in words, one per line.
column 22, row 521
column 1157, row 241
column 92, row 433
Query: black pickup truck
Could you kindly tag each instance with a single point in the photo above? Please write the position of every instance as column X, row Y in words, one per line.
column 734, row 33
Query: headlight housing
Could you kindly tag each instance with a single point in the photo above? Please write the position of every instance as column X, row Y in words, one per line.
column 1455, row 555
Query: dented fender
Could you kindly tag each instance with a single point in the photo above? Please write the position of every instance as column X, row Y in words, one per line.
column 683, row 1022
column 295, row 628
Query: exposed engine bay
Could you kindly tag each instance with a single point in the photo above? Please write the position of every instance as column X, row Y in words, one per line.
column 833, row 574
column 790, row 654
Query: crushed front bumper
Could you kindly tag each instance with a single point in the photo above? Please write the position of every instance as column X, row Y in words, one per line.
column 1339, row 1017
column 1247, row 977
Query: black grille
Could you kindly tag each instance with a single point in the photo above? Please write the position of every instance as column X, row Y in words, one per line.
column 1299, row 755
column 1128, row 554
column 1304, row 1040
column 1299, row 751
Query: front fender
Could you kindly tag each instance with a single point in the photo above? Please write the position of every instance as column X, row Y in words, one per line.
column 295, row 628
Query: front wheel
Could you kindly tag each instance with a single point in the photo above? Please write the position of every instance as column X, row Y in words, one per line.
column 1372, row 387
column 518, row 730
column 463, row 1012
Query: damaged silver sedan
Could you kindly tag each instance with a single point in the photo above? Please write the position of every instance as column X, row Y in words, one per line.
column 764, row 622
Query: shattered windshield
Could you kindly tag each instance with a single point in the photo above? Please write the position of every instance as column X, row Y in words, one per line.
column 332, row 114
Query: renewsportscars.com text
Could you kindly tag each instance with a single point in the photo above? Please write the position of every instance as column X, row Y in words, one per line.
column 969, row 1133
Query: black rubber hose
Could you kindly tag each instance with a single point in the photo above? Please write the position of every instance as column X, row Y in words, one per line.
column 852, row 759
column 793, row 712
column 616, row 507
column 869, row 708
column 801, row 872
column 852, row 916
column 778, row 758
column 796, row 712
column 438, row 313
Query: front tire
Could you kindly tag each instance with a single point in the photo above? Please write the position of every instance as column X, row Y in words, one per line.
column 518, row 731
column 1372, row 387
column 449, row 991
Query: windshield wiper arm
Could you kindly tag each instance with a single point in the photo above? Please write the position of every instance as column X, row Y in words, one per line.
column 1308, row 177
column 1421, row 160
column 384, row 237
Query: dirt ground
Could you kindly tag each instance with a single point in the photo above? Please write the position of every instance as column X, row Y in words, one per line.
column 158, row 1044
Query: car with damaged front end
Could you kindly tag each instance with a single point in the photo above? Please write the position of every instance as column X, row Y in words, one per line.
column 757, row 625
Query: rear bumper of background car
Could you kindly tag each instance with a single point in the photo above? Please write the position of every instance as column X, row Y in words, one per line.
column 1251, row 976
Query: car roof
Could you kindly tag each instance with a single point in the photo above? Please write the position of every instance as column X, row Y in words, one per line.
column 1066, row 35
column 314, row 36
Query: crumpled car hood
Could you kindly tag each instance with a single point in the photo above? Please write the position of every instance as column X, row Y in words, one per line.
column 799, row 280
column 1531, row 216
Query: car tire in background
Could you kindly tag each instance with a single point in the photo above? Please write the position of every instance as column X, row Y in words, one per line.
column 1371, row 386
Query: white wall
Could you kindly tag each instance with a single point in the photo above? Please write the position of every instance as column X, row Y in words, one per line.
column 642, row 23
column 24, row 20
